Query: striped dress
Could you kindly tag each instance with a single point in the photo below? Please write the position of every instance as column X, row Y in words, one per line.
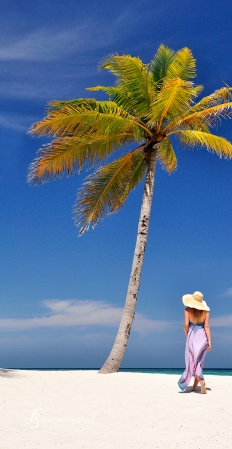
column 195, row 352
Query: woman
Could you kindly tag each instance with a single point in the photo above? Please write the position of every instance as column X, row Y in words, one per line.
column 197, row 331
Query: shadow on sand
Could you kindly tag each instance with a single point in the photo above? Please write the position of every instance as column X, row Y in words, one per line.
column 7, row 373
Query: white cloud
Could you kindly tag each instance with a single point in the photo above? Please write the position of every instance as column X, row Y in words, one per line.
column 223, row 321
column 144, row 325
column 52, row 44
column 68, row 313
column 227, row 293
column 16, row 122
column 84, row 313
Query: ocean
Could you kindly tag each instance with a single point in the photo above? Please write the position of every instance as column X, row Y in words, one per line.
column 177, row 371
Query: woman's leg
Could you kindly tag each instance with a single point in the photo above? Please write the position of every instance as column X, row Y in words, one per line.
column 203, row 389
column 196, row 382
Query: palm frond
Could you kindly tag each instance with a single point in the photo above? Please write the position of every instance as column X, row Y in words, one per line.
column 110, row 62
column 110, row 90
column 183, row 65
column 207, row 117
column 166, row 155
column 220, row 96
column 103, row 118
column 221, row 146
column 191, row 119
column 68, row 155
column 204, row 113
column 56, row 105
column 173, row 99
column 134, row 82
column 117, row 94
column 106, row 190
column 161, row 62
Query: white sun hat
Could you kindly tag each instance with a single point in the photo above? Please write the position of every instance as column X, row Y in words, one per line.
column 195, row 301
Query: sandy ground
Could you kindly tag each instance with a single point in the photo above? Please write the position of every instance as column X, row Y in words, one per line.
column 84, row 409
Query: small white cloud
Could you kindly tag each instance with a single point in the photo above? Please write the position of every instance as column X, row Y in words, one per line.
column 68, row 313
column 53, row 44
column 227, row 293
column 144, row 325
column 16, row 122
column 223, row 321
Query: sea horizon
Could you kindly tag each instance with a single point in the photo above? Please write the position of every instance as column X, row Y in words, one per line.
column 177, row 371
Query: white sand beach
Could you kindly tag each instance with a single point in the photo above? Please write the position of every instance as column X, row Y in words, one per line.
column 84, row 409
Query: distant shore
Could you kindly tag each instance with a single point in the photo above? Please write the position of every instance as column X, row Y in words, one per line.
column 84, row 409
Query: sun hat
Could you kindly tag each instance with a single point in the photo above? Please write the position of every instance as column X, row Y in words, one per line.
column 195, row 301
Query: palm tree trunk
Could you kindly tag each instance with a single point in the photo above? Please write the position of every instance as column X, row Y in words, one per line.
column 114, row 360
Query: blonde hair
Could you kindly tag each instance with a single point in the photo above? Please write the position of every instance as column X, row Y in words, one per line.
column 196, row 316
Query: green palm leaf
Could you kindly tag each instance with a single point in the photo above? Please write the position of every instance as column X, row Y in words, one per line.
column 214, row 143
column 58, row 105
column 104, row 118
column 161, row 62
column 208, row 117
column 135, row 83
column 207, row 112
column 183, row 65
column 166, row 155
column 106, row 190
column 220, row 96
column 68, row 155
column 117, row 94
column 173, row 99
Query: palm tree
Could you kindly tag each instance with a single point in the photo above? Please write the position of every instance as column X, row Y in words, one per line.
column 149, row 104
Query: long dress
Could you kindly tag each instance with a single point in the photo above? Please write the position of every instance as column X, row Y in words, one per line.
column 195, row 352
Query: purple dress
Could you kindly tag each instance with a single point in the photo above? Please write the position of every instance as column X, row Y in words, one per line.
column 195, row 352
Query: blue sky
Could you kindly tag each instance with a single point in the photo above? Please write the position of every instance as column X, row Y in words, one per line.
column 61, row 295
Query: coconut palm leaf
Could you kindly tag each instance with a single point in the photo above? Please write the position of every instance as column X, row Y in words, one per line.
column 183, row 65
column 134, row 82
column 56, row 105
column 106, row 190
column 204, row 114
column 160, row 63
column 223, row 95
column 213, row 143
column 173, row 99
column 209, row 117
column 106, row 118
column 117, row 94
column 166, row 155
column 68, row 155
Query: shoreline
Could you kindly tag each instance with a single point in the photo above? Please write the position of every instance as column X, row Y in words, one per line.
column 176, row 371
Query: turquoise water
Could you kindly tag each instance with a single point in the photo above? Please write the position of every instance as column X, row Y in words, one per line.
column 177, row 371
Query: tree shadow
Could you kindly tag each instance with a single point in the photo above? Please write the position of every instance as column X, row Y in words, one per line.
column 7, row 373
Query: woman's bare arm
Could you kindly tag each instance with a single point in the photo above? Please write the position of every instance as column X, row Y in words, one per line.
column 207, row 331
column 186, row 322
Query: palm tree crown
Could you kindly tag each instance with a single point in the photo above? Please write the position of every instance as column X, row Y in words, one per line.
column 149, row 104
